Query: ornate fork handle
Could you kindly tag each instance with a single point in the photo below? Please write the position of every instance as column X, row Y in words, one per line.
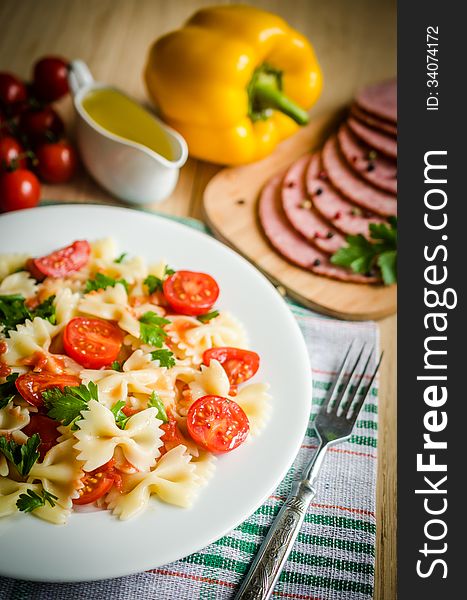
column 268, row 563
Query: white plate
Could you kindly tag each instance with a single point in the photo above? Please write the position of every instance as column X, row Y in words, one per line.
column 97, row 545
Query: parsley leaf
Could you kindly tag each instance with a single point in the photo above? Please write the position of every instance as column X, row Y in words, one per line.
column 23, row 456
column 165, row 358
column 13, row 311
column 155, row 283
column 116, row 366
column 66, row 406
column 46, row 310
column 363, row 255
column 101, row 282
column 151, row 329
column 30, row 501
column 8, row 390
column 120, row 417
column 156, row 402
column 208, row 316
column 121, row 258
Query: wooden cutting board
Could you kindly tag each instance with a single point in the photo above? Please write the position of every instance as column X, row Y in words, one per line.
column 230, row 207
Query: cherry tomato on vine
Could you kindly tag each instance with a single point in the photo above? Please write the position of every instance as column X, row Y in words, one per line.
column 42, row 125
column 12, row 89
column 18, row 189
column 11, row 153
column 50, row 78
column 56, row 162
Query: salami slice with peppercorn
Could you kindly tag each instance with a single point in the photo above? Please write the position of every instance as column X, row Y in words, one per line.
column 373, row 121
column 352, row 186
column 300, row 212
column 386, row 144
column 367, row 162
column 344, row 215
column 380, row 99
column 291, row 245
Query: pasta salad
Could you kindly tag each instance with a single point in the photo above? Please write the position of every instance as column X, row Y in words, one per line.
column 119, row 381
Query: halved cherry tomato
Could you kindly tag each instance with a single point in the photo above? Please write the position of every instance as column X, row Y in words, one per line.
column 240, row 365
column 190, row 293
column 31, row 385
column 61, row 262
column 172, row 436
column 217, row 424
column 93, row 343
column 98, row 482
column 47, row 430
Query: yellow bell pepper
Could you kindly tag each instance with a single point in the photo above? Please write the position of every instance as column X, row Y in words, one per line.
column 234, row 81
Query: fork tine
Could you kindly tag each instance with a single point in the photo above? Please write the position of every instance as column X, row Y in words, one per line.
column 354, row 410
column 340, row 373
column 340, row 400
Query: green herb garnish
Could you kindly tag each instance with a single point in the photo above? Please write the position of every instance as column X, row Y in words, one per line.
column 30, row 501
column 8, row 390
column 116, row 366
column 121, row 258
column 13, row 311
column 66, row 405
column 23, row 456
column 101, row 282
column 165, row 358
column 46, row 310
column 151, row 329
column 155, row 283
column 156, row 402
column 120, row 417
column 208, row 316
column 363, row 255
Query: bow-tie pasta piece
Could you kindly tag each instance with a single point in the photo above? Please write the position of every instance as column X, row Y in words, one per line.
column 10, row 491
column 19, row 283
column 255, row 401
column 27, row 340
column 173, row 480
column 66, row 307
column 13, row 418
column 10, row 263
column 99, row 435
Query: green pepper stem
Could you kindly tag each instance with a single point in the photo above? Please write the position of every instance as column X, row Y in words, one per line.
column 265, row 92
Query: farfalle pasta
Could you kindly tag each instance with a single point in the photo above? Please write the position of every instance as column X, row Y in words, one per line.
column 119, row 382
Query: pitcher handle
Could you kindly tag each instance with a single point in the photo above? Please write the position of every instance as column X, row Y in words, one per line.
column 79, row 76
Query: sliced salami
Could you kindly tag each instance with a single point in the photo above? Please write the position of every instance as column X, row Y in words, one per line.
column 299, row 211
column 353, row 187
column 380, row 99
column 366, row 162
column 372, row 120
column 345, row 216
column 291, row 244
column 372, row 137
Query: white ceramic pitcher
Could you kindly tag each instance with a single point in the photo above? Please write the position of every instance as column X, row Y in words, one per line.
column 129, row 170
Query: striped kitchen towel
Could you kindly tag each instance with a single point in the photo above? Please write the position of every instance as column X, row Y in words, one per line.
column 333, row 557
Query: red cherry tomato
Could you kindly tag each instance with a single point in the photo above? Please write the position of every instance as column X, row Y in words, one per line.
column 19, row 189
column 10, row 151
column 93, row 343
column 43, row 125
column 12, row 89
column 190, row 293
column 31, row 385
column 47, row 430
column 217, row 424
column 98, row 482
column 61, row 262
column 56, row 163
column 240, row 365
column 50, row 78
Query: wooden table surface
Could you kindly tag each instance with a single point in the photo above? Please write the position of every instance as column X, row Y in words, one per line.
column 355, row 43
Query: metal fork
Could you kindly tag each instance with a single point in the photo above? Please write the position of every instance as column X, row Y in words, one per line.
column 333, row 425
